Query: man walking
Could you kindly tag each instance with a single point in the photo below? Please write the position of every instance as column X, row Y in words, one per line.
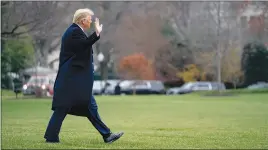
column 73, row 85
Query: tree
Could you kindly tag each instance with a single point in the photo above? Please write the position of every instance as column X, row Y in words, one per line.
column 137, row 66
column 48, row 38
column 16, row 55
column 169, row 59
column 205, row 60
column 254, row 63
column 191, row 73
column 16, row 15
column 224, row 18
column 39, row 19
column 231, row 70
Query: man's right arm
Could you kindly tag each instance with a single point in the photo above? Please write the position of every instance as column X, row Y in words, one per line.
column 79, row 37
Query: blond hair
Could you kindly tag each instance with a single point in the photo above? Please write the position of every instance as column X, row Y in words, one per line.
column 82, row 14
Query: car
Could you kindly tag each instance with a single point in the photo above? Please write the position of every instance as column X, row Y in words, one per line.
column 142, row 87
column 258, row 85
column 103, row 87
column 97, row 87
column 41, row 83
column 196, row 86
column 110, row 89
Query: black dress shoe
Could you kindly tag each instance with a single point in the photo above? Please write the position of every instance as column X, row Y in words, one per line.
column 113, row 137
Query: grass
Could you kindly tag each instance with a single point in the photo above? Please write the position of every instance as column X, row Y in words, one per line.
column 234, row 92
column 178, row 122
column 9, row 93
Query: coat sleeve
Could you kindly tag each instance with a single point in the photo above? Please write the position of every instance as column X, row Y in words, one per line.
column 79, row 37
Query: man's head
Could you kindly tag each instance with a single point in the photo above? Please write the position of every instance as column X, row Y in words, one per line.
column 83, row 17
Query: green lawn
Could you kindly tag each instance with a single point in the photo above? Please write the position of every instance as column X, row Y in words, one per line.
column 189, row 121
column 9, row 93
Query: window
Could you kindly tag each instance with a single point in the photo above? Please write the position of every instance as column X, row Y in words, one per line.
column 200, row 86
column 157, row 85
column 187, row 86
column 203, row 86
column 140, row 85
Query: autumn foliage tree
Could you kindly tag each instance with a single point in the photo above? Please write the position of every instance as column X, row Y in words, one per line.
column 231, row 70
column 190, row 73
column 136, row 66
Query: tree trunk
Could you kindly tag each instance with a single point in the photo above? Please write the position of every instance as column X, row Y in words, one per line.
column 38, row 92
column 219, row 46
column 219, row 68
column 234, row 85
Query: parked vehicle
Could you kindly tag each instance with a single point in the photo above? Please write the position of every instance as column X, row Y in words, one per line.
column 196, row 86
column 97, row 87
column 110, row 90
column 142, row 87
column 259, row 85
column 43, row 84
column 103, row 87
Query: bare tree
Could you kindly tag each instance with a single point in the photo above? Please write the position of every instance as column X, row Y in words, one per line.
column 109, row 13
column 218, row 22
column 206, row 27
column 19, row 18
column 48, row 39
column 231, row 70
column 42, row 20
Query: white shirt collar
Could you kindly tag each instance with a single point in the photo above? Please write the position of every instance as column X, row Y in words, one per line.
column 80, row 27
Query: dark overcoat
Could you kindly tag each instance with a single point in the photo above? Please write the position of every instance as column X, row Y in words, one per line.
column 74, row 81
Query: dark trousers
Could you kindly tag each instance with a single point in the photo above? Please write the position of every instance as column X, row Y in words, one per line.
column 55, row 123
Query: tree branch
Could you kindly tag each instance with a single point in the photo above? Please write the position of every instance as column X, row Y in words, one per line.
column 53, row 47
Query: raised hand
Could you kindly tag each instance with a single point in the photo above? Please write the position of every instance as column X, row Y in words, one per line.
column 98, row 27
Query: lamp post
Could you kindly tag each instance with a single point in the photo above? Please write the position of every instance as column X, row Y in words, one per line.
column 101, row 60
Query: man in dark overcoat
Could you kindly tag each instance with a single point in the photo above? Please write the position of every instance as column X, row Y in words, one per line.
column 74, row 81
